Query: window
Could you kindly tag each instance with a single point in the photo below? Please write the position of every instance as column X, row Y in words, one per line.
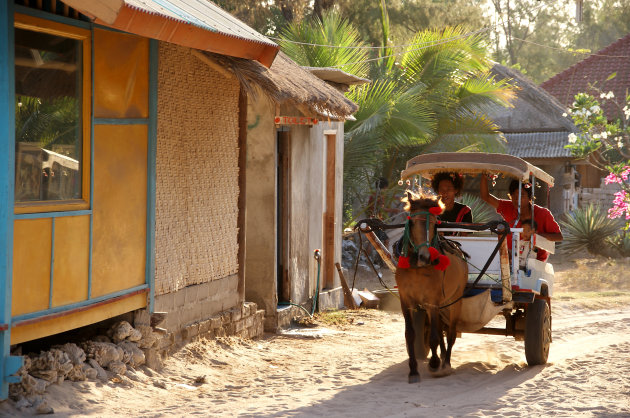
column 51, row 114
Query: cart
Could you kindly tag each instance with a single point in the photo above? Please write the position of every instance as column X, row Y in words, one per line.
column 497, row 287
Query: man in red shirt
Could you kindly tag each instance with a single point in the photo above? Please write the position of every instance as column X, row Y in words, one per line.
column 547, row 226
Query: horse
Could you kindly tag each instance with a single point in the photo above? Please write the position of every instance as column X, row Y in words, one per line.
column 431, row 275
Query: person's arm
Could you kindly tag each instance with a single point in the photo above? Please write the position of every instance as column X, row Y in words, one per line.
column 552, row 236
column 551, row 228
column 485, row 193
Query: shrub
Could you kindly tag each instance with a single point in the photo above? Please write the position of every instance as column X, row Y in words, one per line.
column 589, row 229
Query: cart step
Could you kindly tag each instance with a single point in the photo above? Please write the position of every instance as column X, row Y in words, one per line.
column 523, row 297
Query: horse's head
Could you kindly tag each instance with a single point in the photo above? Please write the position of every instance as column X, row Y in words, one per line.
column 423, row 210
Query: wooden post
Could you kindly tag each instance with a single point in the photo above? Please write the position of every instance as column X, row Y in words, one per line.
column 348, row 300
column 380, row 249
column 329, row 213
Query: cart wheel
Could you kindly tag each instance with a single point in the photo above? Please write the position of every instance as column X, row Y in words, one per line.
column 422, row 329
column 537, row 332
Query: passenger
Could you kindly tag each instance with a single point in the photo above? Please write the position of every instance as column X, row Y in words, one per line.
column 546, row 225
column 449, row 186
column 525, row 246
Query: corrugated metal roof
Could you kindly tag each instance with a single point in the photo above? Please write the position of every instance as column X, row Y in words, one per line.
column 538, row 144
column 336, row 75
column 200, row 13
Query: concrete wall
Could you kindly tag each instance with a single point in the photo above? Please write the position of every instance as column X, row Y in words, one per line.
column 308, row 203
column 307, row 171
column 260, row 211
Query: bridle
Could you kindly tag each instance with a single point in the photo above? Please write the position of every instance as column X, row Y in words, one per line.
column 408, row 239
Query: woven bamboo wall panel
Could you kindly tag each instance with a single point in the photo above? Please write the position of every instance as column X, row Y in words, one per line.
column 197, row 172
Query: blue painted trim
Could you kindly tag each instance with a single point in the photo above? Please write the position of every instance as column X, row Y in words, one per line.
column 17, row 319
column 89, row 291
column 8, row 364
column 51, row 16
column 52, row 214
column 151, row 170
column 121, row 121
column 52, row 261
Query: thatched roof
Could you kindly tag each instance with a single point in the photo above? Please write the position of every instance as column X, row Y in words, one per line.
column 287, row 83
column 534, row 108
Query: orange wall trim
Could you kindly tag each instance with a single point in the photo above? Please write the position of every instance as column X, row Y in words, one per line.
column 55, row 323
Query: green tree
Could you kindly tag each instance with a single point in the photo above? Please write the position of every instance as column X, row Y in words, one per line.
column 434, row 98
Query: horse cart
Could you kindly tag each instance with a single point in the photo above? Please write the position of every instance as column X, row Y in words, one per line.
column 499, row 288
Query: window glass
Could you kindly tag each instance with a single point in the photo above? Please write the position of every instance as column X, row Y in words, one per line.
column 48, row 138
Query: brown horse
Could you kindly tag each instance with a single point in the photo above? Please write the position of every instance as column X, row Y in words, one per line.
column 434, row 281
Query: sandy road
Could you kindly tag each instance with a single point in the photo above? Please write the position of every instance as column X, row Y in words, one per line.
column 360, row 370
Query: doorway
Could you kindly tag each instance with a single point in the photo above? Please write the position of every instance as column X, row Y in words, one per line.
column 282, row 214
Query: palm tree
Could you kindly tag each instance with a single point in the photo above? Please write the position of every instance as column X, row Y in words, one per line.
column 433, row 98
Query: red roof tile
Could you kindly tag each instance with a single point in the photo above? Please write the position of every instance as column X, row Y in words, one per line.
column 594, row 70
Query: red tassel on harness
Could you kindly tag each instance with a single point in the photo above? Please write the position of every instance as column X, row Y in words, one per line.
column 443, row 263
column 403, row 262
column 436, row 210
column 433, row 253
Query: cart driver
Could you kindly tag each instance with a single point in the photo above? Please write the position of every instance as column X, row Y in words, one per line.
column 449, row 186
column 546, row 225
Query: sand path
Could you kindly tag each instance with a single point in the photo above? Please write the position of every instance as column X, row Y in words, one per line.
column 360, row 370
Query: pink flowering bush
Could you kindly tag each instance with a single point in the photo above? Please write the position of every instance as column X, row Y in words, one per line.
column 605, row 144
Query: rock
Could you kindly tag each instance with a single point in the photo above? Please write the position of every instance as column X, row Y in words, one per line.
column 75, row 354
column 117, row 367
column 120, row 331
column 90, row 372
column 50, row 365
column 133, row 376
column 134, row 335
column 133, row 355
column 77, row 374
column 103, row 353
column 22, row 404
column 159, row 384
column 33, row 385
column 149, row 338
column 147, row 371
column 101, row 374
column 102, row 339
column 47, row 375
column 153, row 359
column 42, row 408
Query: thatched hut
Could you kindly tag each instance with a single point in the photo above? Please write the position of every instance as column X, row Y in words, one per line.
column 294, row 173
column 146, row 203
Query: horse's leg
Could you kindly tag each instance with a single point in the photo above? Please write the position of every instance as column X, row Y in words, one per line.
column 451, row 336
column 435, row 339
column 442, row 345
column 410, row 337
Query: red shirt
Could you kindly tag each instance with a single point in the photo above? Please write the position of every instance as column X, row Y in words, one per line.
column 544, row 220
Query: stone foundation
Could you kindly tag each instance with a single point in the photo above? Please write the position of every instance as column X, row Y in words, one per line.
column 246, row 321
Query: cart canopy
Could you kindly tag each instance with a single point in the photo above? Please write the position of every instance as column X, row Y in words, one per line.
column 474, row 163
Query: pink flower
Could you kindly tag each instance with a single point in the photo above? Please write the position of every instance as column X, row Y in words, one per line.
column 612, row 178
column 621, row 204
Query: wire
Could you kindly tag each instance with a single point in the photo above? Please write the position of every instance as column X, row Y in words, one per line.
column 570, row 51
column 358, row 46
column 444, row 41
